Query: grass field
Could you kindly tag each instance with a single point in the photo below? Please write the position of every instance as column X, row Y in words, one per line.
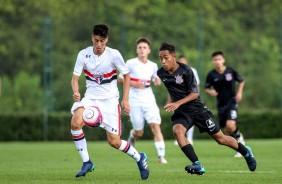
column 58, row 162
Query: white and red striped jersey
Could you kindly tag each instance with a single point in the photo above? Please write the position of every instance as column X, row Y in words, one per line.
column 146, row 73
column 100, row 72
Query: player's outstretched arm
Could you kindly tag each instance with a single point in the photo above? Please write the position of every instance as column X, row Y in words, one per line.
column 126, row 85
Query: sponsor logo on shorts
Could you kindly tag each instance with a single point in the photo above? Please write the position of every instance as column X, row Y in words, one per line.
column 210, row 124
column 233, row 114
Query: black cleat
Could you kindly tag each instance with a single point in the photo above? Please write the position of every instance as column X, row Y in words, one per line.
column 250, row 159
column 195, row 168
column 86, row 167
column 143, row 166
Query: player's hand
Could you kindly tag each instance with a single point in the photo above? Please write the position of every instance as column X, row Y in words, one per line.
column 125, row 106
column 139, row 85
column 213, row 92
column 76, row 96
column 171, row 107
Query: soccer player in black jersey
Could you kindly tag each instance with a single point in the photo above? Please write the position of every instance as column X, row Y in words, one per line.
column 188, row 110
column 220, row 82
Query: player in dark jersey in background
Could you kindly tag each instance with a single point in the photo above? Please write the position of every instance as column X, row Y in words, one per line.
column 223, row 79
column 188, row 110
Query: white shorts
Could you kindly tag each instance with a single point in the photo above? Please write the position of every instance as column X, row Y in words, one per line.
column 148, row 112
column 110, row 110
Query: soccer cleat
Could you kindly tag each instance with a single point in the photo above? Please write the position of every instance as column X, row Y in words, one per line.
column 131, row 141
column 195, row 168
column 86, row 167
column 238, row 155
column 162, row 160
column 143, row 166
column 250, row 159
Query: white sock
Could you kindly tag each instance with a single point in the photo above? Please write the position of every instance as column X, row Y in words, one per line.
column 80, row 143
column 130, row 150
column 189, row 134
column 131, row 134
column 160, row 146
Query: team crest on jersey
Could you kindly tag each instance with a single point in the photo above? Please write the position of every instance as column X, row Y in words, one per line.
column 98, row 78
column 178, row 79
column 228, row 76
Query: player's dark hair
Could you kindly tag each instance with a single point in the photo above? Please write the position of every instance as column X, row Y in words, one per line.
column 142, row 39
column 217, row 53
column 167, row 46
column 101, row 30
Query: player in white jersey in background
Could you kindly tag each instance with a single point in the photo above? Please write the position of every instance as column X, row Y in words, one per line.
column 190, row 132
column 141, row 98
column 99, row 64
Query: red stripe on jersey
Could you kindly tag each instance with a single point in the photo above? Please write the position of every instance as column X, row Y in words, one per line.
column 137, row 80
column 110, row 74
column 88, row 73
column 106, row 75
column 78, row 136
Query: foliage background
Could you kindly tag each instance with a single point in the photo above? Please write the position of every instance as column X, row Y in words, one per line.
column 249, row 32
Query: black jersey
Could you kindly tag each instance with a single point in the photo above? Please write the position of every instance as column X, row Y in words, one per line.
column 179, row 85
column 224, row 84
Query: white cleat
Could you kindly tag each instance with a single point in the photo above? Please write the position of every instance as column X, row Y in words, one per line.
column 162, row 160
column 238, row 155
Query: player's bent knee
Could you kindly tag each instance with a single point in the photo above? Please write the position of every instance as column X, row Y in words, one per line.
column 139, row 133
column 178, row 131
column 76, row 125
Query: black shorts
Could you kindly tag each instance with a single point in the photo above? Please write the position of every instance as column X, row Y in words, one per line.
column 228, row 112
column 205, row 121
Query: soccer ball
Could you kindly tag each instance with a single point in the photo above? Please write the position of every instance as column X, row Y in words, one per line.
column 92, row 116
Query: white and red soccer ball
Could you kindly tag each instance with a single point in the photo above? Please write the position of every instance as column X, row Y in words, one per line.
column 92, row 116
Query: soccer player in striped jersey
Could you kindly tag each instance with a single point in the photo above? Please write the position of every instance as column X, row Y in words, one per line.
column 189, row 109
column 143, row 106
column 99, row 64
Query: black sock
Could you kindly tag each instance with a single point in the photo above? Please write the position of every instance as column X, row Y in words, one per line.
column 236, row 134
column 188, row 150
column 242, row 149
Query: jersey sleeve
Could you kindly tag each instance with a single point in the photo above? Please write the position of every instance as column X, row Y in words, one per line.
column 128, row 68
column 208, row 83
column 196, row 76
column 79, row 64
column 191, row 81
column 119, row 63
column 237, row 76
column 155, row 69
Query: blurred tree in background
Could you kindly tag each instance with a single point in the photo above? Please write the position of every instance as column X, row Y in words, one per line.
column 248, row 32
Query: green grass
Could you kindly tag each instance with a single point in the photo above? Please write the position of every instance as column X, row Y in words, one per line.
column 58, row 162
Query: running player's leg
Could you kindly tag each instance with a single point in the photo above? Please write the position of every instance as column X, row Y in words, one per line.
column 137, row 120
column 159, row 142
column 112, row 124
column 232, row 143
column 152, row 116
column 79, row 139
column 122, row 145
column 231, row 127
column 208, row 124
column 179, row 133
